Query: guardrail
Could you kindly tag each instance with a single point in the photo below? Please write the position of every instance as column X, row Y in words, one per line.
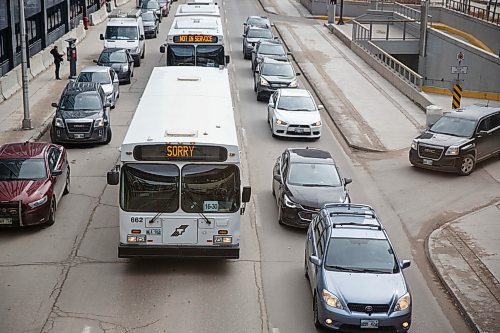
column 410, row 12
column 485, row 14
column 360, row 32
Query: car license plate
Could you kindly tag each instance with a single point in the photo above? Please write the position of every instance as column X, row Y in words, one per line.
column 369, row 323
column 79, row 135
column 299, row 130
column 427, row 161
column 5, row 220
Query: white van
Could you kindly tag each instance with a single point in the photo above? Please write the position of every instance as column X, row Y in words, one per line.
column 125, row 31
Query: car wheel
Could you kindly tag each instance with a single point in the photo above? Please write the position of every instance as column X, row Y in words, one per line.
column 143, row 52
column 272, row 187
column 68, row 181
column 137, row 63
column 127, row 81
column 272, row 129
column 109, row 135
column 52, row 213
column 317, row 323
column 467, row 164
column 259, row 98
column 306, row 274
column 254, row 85
column 280, row 216
column 52, row 136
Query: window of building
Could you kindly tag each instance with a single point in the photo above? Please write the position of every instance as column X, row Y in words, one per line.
column 4, row 45
column 34, row 28
column 55, row 17
column 75, row 8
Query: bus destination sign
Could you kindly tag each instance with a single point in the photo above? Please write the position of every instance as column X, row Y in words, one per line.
column 180, row 152
column 202, row 39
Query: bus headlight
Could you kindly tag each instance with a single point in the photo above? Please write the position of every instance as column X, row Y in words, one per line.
column 136, row 238
column 223, row 239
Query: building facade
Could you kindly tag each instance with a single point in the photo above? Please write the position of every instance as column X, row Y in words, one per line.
column 46, row 21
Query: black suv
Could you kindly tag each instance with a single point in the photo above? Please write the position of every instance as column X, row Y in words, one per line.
column 458, row 140
column 273, row 74
column 82, row 115
column 120, row 60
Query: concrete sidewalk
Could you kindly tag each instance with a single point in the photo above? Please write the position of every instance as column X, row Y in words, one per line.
column 372, row 114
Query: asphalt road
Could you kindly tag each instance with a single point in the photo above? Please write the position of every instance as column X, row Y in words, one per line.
column 67, row 278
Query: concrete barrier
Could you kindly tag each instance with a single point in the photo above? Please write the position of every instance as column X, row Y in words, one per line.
column 20, row 75
column 36, row 64
column 47, row 58
column 98, row 16
column 9, row 83
column 80, row 33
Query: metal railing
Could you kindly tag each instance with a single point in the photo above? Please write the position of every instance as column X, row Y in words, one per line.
column 485, row 14
column 407, row 11
column 361, row 32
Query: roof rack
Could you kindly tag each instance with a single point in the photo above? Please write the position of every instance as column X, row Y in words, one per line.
column 350, row 206
column 369, row 225
column 118, row 13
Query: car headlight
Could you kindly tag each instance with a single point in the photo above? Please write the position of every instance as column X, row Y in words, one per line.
column 59, row 122
column 414, row 144
column 289, row 203
column 294, row 83
column 281, row 122
column 137, row 50
column 318, row 123
column 260, row 59
column 263, row 82
column 125, row 68
column 99, row 122
column 453, row 151
column 38, row 202
column 403, row 303
column 331, row 299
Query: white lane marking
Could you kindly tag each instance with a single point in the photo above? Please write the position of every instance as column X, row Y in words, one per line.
column 87, row 329
column 238, row 95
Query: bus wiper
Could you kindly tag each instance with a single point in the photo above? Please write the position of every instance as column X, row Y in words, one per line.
column 195, row 204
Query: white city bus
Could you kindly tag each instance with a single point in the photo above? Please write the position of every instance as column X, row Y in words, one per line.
column 179, row 172
column 195, row 41
column 197, row 10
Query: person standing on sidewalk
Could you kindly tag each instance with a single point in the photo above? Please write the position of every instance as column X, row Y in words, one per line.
column 58, row 58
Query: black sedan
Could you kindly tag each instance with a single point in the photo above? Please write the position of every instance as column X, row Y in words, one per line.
column 120, row 60
column 304, row 179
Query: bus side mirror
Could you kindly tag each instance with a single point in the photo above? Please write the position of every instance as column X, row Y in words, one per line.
column 228, row 59
column 113, row 176
column 162, row 49
column 101, row 37
column 247, row 192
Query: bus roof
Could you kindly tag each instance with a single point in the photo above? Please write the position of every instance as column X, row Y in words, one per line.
column 184, row 105
column 198, row 10
column 196, row 25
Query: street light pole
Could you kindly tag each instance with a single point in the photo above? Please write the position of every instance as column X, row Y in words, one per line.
column 24, row 66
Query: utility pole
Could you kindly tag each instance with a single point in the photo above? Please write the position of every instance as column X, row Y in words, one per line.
column 424, row 10
column 341, row 17
column 24, row 66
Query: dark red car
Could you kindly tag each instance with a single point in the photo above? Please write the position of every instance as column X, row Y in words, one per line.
column 33, row 179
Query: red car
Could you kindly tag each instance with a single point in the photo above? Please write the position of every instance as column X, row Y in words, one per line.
column 33, row 179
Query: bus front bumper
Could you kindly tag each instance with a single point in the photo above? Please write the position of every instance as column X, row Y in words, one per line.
column 176, row 251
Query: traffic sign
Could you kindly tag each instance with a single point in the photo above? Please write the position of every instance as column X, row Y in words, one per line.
column 460, row 56
column 459, row 69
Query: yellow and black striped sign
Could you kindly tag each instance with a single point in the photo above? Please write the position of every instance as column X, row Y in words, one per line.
column 457, row 96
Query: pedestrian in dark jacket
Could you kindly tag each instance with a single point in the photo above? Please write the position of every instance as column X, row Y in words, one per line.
column 58, row 58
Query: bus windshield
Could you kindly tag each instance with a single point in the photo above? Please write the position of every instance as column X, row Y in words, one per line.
column 180, row 55
column 206, row 55
column 150, row 188
column 210, row 188
column 121, row 33
column 209, row 55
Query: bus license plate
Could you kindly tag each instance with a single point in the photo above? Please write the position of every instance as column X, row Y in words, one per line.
column 5, row 220
column 427, row 161
column 153, row 231
column 369, row 323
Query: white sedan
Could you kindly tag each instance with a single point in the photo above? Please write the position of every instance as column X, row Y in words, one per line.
column 293, row 113
column 106, row 76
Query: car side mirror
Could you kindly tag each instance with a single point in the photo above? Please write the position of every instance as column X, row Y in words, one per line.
column 271, row 104
column 289, row 53
column 277, row 178
column 315, row 260
column 113, row 177
column 116, row 79
column 162, row 49
column 54, row 105
column 482, row 133
column 272, row 24
column 405, row 264
column 244, row 35
column 227, row 58
column 101, row 37
column 244, row 23
column 94, row 61
column 141, row 37
column 298, row 74
column 56, row 172
column 320, row 107
column 107, row 104
column 347, row 181
column 245, row 195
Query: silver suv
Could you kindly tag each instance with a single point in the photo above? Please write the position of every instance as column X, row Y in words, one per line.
column 355, row 277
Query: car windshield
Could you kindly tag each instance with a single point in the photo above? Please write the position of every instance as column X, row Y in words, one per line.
column 311, row 174
column 148, row 17
column 97, row 77
column 272, row 49
column 150, row 5
column 296, row 103
column 259, row 33
column 454, row 126
column 22, row 169
column 277, row 70
column 121, row 33
column 210, row 188
column 149, row 188
column 83, row 101
column 113, row 57
column 361, row 255
column 258, row 21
